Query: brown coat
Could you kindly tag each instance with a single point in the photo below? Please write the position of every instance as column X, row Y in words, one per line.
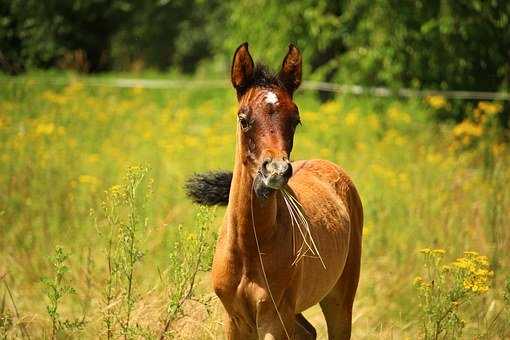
column 263, row 291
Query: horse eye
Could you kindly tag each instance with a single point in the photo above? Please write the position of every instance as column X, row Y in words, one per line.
column 244, row 121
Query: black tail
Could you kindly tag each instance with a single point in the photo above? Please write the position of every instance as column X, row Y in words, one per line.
column 210, row 188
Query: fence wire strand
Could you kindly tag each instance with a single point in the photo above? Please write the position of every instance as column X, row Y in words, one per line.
column 307, row 85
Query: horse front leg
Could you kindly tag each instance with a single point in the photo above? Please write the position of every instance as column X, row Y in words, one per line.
column 234, row 330
column 273, row 324
column 304, row 330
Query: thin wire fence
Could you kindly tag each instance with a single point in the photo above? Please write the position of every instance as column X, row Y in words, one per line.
column 307, row 85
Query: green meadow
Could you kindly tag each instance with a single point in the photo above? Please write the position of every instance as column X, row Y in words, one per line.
column 98, row 239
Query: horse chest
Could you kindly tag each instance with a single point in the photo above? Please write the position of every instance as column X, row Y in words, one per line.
column 232, row 277
column 239, row 294
column 239, row 284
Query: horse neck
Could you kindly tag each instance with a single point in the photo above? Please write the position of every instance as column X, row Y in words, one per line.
column 245, row 210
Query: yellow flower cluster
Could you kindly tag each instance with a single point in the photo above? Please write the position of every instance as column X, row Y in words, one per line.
column 489, row 107
column 396, row 114
column 468, row 128
column 446, row 288
column 475, row 273
column 469, row 273
column 474, row 127
column 351, row 118
column 45, row 128
column 331, row 107
column 391, row 177
column 436, row 102
column 88, row 179
column 117, row 193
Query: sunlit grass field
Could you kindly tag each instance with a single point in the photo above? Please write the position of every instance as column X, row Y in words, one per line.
column 424, row 185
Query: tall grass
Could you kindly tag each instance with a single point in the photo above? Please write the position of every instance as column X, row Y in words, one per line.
column 57, row 288
column 139, row 266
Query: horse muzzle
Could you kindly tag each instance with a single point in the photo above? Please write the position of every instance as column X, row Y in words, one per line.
column 275, row 173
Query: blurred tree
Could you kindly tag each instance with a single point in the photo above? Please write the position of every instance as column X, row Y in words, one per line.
column 315, row 26
column 168, row 33
column 436, row 44
column 41, row 33
column 439, row 44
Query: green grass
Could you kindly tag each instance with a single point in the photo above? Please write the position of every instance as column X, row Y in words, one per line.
column 423, row 185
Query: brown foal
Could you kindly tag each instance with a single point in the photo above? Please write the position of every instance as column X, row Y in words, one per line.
column 262, row 279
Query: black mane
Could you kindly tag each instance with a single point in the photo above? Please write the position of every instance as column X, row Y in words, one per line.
column 263, row 76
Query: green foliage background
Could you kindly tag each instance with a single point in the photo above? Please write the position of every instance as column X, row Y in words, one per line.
column 433, row 44
column 424, row 183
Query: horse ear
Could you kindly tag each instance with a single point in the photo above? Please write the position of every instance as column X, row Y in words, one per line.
column 290, row 74
column 242, row 69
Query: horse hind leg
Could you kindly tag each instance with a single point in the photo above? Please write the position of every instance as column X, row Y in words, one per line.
column 304, row 330
column 337, row 305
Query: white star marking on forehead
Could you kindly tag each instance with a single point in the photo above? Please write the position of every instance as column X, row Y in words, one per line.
column 271, row 98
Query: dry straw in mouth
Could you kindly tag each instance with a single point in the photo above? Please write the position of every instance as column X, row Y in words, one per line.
column 298, row 219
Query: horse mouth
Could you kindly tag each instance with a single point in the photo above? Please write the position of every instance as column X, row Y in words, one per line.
column 275, row 181
column 265, row 185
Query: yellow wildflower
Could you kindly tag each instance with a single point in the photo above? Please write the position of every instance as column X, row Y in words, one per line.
column 394, row 137
column 74, row 87
column 362, row 147
column 373, row 121
column 498, row 149
column 437, row 102
column 418, row 281
column 397, row 115
column 117, row 192
column 490, row 108
column 45, row 129
column 92, row 158
column 3, row 122
column 467, row 128
column 137, row 90
column 54, row 97
column 88, row 179
column 116, row 189
column 438, row 252
column 434, row 158
column 446, row 268
column 351, row 118
column 331, row 107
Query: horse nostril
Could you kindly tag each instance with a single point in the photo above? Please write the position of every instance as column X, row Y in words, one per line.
column 265, row 164
column 287, row 170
